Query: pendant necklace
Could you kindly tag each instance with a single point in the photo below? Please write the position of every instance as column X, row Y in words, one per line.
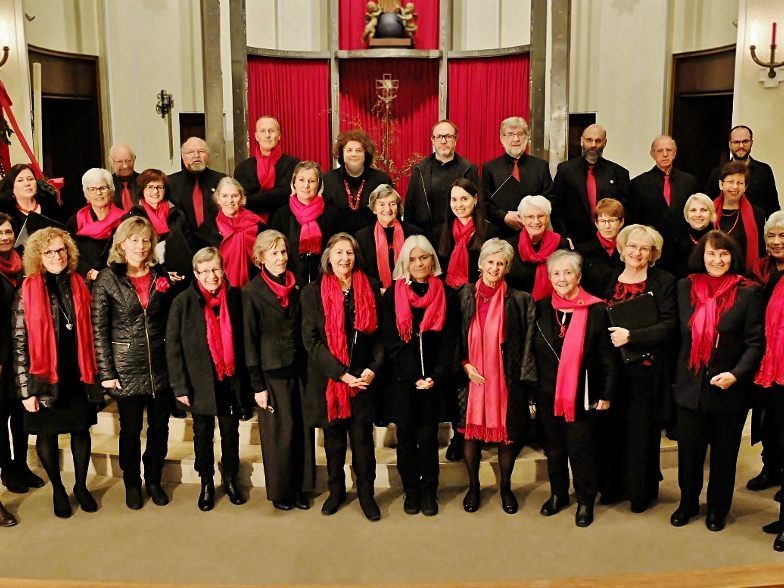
column 561, row 325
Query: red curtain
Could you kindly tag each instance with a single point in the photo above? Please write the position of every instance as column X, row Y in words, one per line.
column 414, row 111
column 296, row 92
column 482, row 93
column 351, row 16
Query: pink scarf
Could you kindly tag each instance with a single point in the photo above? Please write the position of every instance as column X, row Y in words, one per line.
column 607, row 244
column 457, row 270
column 239, row 234
column 771, row 370
column 159, row 217
column 307, row 215
column 525, row 247
column 220, row 338
column 711, row 297
column 265, row 167
column 434, row 303
column 102, row 229
column 382, row 250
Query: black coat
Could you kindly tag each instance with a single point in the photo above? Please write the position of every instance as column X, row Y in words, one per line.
column 599, row 269
column 7, row 293
column 346, row 219
column 535, row 179
column 305, row 267
column 520, row 366
column 367, row 247
column 190, row 365
column 129, row 340
column 761, row 187
column 266, row 201
column 181, row 186
column 118, row 187
column 366, row 352
column 50, row 208
column 522, row 273
column 739, row 350
column 426, row 204
column 93, row 253
column 572, row 216
column 178, row 254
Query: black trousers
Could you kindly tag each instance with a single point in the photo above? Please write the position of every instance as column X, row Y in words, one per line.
column 697, row 430
column 641, row 447
column 131, row 410
column 417, row 457
column 12, row 415
column 771, row 429
column 775, row 405
column 571, row 444
column 203, row 444
column 363, row 454
column 609, row 428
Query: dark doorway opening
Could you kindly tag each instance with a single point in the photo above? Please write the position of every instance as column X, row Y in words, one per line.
column 578, row 122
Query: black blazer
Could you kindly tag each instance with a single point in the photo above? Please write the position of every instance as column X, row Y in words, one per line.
column 181, row 186
column 761, row 188
column 346, row 219
column 522, row 273
column 599, row 269
column 118, row 186
column 572, row 216
column 739, row 350
column 305, row 267
column 367, row 247
column 49, row 208
column 266, row 201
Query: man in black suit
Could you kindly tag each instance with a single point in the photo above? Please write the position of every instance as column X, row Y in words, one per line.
column 660, row 194
column 123, row 160
column 192, row 188
column 581, row 182
column 431, row 179
column 761, row 187
column 268, row 193
column 529, row 175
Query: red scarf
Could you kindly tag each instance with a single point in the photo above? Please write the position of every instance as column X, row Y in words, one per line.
column 434, row 303
column 771, row 370
column 568, row 376
column 525, row 247
column 307, row 215
column 102, row 229
column 239, row 234
column 762, row 271
column 711, row 297
column 41, row 341
column 158, row 216
column 607, row 244
column 750, row 227
column 281, row 291
column 220, row 338
column 486, row 411
column 365, row 321
column 265, row 167
column 457, row 270
column 11, row 266
column 382, row 250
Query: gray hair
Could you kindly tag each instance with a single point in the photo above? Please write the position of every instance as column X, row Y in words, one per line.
column 229, row 181
column 326, row 268
column 775, row 220
column 654, row 236
column 382, row 191
column 95, row 176
column 411, row 243
column 113, row 149
column 705, row 199
column 574, row 259
column 496, row 245
column 539, row 202
column 513, row 121
column 207, row 254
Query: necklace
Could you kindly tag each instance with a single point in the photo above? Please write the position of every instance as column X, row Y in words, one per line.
column 68, row 321
column 561, row 325
column 353, row 200
column 736, row 214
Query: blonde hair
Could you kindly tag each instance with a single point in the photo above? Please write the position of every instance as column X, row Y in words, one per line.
column 265, row 241
column 207, row 254
column 412, row 242
column 705, row 199
column 37, row 242
column 657, row 241
column 229, row 181
column 135, row 225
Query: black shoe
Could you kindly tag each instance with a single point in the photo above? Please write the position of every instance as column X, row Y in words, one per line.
column 608, row 498
column 85, row 499
column 133, row 496
column 302, row 501
column 282, row 505
column 61, row 503
column 207, row 494
column 584, row 515
column 554, row 505
column 157, row 493
column 178, row 413
column 454, row 452
column 333, row 502
column 778, row 543
column 13, row 480
column 411, row 504
column 369, row 506
column 6, row 518
column 471, row 500
column 639, row 506
column 508, row 501
column 715, row 522
column 30, row 479
column 232, row 490
column 429, row 504
column 681, row 517
column 767, row 478
column 774, row 528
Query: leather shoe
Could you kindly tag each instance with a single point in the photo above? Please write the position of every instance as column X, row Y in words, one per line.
column 774, row 528
column 714, row 522
column 232, row 490
column 454, row 451
column 471, row 500
column 280, row 505
column 133, row 496
column 13, row 481
column 508, row 501
column 369, row 506
column 640, row 506
column 333, row 502
column 411, row 504
column 584, row 515
column 85, row 499
column 157, row 493
column 6, row 518
column 429, row 504
column 207, row 494
column 31, row 479
column 778, row 543
column 681, row 517
column 302, row 501
column 61, row 503
column 767, row 478
column 554, row 505
column 178, row 413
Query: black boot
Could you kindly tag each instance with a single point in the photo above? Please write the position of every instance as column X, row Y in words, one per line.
column 30, row 478
column 454, row 452
column 207, row 494
column 133, row 494
column 232, row 490
column 157, row 493
column 332, row 503
column 12, row 479
column 368, row 504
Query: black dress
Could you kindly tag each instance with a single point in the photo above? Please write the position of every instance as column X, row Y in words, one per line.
column 352, row 218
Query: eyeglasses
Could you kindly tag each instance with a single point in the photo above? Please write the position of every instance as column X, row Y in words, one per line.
column 52, row 253
column 97, row 189
column 154, row 188
column 123, row 161
column 444, row 137
column 608, row 222
column 739, row 143
column 519, row 135
column 215, row 271
column 193, row 152
column 7, row 232
column 640, row 248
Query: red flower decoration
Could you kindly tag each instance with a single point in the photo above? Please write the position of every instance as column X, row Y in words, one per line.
column 162, row 284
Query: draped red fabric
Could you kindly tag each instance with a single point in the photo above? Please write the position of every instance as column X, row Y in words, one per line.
column 414, row 111
column 482, row 93
column 296, row 92
column 352, row 23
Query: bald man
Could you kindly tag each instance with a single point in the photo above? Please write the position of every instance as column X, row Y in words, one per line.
column 123, row 161
column 192, row 188
column 581, row 182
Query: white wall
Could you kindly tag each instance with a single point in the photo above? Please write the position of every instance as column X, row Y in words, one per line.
column 15, row 73
column 703, row 24
column 490, row 24
column 288, row 25
column 64, row 25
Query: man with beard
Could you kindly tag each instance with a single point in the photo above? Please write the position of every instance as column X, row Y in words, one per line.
column 581, row 182
column 531, row 174
column 123, row 160
column 193, row 187
column 761, row 187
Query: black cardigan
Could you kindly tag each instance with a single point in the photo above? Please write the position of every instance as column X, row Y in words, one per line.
column 349, row 220
column 599, row 269
column 266, row 201
column 522, row 273
column 367, row 247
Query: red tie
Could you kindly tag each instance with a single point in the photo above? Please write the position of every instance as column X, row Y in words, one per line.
column 516, row 170
column 667, row 189
column 590, row 186
column 198, row 204
column 127, row 203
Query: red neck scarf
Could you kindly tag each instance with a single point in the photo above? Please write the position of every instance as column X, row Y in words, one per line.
column 265, row 167
column 568, row 376
column 11, row 266
column 434, row 303
column 281, row 291
column 762, row 271
column 750, row 227
column 307, row 215
column 525, row 247
column 711, row 297
column 239, row 234
column 607, row 244
column 382, row 250
column 486, row 410
column 98, row 229
column 365, row 321
column 771, row 370
column 220, row 338
column 159, row 217
column 457, row 270
column 41, row 341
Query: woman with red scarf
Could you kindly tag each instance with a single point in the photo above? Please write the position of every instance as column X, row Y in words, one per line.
column 276, row 364
column 306, row 222
column 21, row 195
column 54, row 360
column 578, row 373
column 380, row 243
column 340, row 323
column 601, row 259
column 205, row 359
column 497, row 357
column 93, row 226
column 721, row 346
column 420, row 352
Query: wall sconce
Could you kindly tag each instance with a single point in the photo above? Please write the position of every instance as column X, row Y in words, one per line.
column 771, row 78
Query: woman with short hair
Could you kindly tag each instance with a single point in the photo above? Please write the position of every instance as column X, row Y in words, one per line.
column 601, row 261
